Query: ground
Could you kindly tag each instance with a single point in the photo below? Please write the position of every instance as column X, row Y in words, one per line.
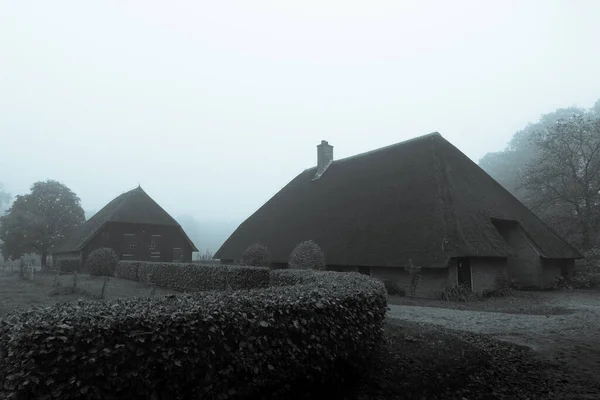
column 562, row 326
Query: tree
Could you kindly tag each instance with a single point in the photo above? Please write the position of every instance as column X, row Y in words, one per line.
column 563, row 182
column 38, row 221
column 414, row 273
column 207, row 256
column 5, row 198
column 510, row 165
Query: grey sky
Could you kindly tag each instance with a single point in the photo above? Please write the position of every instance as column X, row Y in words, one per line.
column 213, row 106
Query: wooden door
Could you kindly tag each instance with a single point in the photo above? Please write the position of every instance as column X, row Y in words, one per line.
column 463, row 270
column 177, row 254
column 154, row 247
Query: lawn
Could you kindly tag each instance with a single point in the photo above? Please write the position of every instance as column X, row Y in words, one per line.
column 519, row 302
column 18, row 293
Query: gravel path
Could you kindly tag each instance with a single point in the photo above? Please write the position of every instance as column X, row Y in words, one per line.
column 572, row 339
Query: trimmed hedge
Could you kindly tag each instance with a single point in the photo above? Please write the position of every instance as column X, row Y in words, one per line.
column 256, row 255
column 128, row 270
column 193, row 277
column 307, row 255
column 68, row 265
column 208, row 345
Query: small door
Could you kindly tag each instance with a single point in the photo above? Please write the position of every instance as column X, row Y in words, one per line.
column 154, row 247
column 177, row 254
column 463, row 270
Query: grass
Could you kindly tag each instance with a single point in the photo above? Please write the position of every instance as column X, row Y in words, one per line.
column 18, row 293
column 520, row 302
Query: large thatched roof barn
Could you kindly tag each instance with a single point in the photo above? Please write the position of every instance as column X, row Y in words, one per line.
column 423, row 200
column 135, row 227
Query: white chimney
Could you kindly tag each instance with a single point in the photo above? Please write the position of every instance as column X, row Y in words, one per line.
column 324, row 157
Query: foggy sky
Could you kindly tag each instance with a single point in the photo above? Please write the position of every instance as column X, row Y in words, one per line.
column 213, row 106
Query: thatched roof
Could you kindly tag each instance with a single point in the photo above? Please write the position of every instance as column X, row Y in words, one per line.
column 134, row 206
column 421, row 199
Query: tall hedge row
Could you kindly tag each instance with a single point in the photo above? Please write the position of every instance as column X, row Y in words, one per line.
column 206, row 345
column 192, row 276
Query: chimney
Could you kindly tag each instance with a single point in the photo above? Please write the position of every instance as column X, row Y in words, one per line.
column 324, row 157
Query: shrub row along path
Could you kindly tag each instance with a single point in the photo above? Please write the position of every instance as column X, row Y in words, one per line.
column 570, row 338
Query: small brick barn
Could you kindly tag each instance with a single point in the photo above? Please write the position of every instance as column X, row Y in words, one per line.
column 135, row 227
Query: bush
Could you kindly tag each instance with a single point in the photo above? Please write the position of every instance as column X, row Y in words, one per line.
column 102, row 262
column 458, row 292
column 582, row 280
column 256, row 255
column 393, row 289
column 194, row 277
column 209, row 345
column 414, row 274
column 68, row 265
column 307, row 255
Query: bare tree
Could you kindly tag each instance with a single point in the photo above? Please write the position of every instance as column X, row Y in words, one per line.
column 564, row 181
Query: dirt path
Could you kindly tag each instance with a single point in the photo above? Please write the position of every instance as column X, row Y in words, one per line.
column 571, row 339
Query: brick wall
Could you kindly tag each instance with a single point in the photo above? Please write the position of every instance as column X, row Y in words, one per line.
column 553, row 268
column 433, row 280
column 525, row 266
column 486, row 272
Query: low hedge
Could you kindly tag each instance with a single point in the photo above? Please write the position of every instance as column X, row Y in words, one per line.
column 68, row 265
column 206, row 345
column 192, row 276
column 128, row 270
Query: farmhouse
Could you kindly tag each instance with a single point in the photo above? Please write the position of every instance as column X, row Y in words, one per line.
column 135, row 227
column 421, row 200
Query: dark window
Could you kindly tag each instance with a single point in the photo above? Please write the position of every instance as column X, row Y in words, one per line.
column 463, row 272
column 133, row 244
column 151, row 245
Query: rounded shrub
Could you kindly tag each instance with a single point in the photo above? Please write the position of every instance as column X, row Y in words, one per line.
column 102, row 262
column 307, row 255
column 256, row 255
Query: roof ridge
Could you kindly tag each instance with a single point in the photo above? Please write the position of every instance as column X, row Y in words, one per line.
column 422, row 137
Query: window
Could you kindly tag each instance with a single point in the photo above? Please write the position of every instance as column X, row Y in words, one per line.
column 155, row 255
column 130, row 237
column 152, row 245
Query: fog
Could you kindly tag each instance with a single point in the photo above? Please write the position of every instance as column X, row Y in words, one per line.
column 214, row 106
